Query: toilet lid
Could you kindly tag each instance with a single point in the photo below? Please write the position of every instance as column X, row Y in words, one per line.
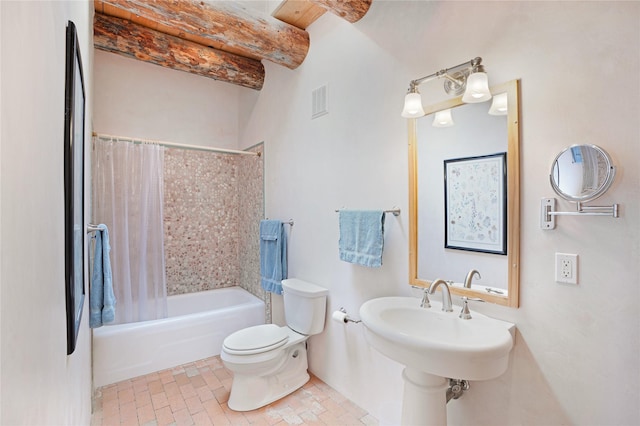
column 257, row 339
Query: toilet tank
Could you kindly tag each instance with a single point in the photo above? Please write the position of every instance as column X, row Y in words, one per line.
column 305, row 306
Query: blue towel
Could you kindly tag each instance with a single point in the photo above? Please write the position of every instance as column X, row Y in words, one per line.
column 362, row 237
column 102, row 301
column 273, row 255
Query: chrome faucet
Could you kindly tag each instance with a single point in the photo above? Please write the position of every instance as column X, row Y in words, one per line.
column 467, row 281
column 446, row 294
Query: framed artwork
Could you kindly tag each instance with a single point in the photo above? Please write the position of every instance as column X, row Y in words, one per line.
column 475, row 208
column 74, row 108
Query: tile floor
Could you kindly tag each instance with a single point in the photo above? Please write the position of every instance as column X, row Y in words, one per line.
column 197, row 394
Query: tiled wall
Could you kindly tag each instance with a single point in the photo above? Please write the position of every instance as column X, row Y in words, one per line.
column 213, row 205
column 251, row 210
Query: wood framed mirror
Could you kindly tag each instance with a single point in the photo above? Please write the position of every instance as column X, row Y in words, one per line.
column 478, row 130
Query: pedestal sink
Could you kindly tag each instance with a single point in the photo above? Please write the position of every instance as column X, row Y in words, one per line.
column 435, row 345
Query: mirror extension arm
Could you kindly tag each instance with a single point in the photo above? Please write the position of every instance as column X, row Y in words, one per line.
column 548, row 212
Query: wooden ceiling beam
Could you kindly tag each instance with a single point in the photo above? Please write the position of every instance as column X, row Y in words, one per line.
column 351, row 10
column 299, row 13
column 136, row 41
column 221, row 25
column 302, row 13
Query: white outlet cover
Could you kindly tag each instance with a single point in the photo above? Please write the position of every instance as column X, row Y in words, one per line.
column 566, row 268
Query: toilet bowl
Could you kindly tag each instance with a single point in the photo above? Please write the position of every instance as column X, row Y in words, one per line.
column 268, row 361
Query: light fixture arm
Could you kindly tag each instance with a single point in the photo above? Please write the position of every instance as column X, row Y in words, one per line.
column 474, row 64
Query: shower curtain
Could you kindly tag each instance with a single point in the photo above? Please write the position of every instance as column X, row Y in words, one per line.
column 127, row 191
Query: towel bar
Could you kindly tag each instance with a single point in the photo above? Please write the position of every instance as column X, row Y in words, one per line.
column 395, row 211
column 92, row 228
column 288, row 222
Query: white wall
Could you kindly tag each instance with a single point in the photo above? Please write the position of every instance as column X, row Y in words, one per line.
column 40, row 384
column 576, row 357
column 137, row 99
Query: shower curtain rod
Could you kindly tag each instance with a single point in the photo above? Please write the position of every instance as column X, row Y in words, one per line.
column 177, row 145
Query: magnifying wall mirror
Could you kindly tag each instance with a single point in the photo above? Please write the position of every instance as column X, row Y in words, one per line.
column 582, row 173
column 478, row 133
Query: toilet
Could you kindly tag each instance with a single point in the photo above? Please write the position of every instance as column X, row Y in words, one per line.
column 268, row 361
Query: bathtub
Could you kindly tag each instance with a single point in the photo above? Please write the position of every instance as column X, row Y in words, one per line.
column 196, row 326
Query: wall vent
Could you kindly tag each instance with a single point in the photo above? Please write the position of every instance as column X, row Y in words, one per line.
column 319, row 102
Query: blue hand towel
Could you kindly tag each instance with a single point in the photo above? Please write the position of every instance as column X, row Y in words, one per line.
column 362, row 237
column 102, row 301
column 273, row 255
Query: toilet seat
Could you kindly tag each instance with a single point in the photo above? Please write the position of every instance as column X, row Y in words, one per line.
column 256, row 340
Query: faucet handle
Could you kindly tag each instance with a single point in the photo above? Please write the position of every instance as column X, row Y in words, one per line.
column 425, row 303
column 473, row 299
column 465, row 314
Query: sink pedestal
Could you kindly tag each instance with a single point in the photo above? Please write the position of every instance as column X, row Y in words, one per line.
column 425, row 398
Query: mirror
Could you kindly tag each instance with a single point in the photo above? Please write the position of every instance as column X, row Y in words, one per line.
column 478, row 133
column 582, row 173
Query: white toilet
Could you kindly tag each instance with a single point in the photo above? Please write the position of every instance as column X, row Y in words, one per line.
column 269, row 362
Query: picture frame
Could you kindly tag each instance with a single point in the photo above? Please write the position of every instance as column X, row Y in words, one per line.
column 74, row 128
column 475, row 203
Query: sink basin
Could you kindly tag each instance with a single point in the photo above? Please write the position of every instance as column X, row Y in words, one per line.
column 436, row 342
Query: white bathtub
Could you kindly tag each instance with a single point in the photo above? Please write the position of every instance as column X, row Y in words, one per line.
column 196, row 326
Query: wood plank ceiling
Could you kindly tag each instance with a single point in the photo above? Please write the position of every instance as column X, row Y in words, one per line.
column 220, row 40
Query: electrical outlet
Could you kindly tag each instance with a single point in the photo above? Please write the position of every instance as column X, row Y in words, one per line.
column 567, row 268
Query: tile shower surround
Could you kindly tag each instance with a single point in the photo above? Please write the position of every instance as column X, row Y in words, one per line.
column 213, row 204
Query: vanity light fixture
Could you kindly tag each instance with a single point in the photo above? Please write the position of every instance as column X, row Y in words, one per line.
column 443, row 119
column 499, row 105
column 469, row 77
